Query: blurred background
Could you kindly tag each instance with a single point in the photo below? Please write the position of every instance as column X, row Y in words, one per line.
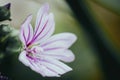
column 96, row 24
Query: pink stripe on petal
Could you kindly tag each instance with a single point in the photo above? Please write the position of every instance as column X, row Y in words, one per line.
column 46, row 31
column 38, row 26
column 53, row 68
column 55, row 72
column 48, row 49
column 24, row 37
column 37, row 68
column 28, row 33
column 41, row 31
column 31, row 34
column 43, row 10
column 42, row 69
column 49, row 73
column 57, row 63
column 41, row 19
column 64, row 55
column 40, row 39
column 35, row 37
column 48, row 43
column 23, row 58
column 25, row 30
column 59, row 40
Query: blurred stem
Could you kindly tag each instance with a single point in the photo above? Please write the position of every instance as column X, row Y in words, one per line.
column 109, row 63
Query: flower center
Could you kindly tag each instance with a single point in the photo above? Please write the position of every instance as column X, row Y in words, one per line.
column 35, row 52
column 37, row 49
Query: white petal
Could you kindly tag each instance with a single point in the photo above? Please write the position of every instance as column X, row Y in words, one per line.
column 62, row 40
column 63, row 55
column 30, row 35
column 53, row 68
column 35, row 66
column 49, row 73
column 26, row 32
column 49, row 67
column 42, row 69
column 47, row 30
column 57, row 64
column 44, row 27
column 23, row 58
column 43, row 11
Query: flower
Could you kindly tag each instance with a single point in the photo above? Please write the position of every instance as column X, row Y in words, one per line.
column 43, row 52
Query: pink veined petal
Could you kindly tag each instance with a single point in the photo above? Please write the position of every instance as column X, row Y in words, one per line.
column 44, row 24
column 63, row 55
column 46, row 31
column 26, row 32
column 37, row 67
column 53, row 68
column 56, row 63
column 41, row 25
column 62, row 40
column 42, row 69
column 49, row 72
column 24, row 59
column 30, row 35
column 43, row 11
column 47, row 66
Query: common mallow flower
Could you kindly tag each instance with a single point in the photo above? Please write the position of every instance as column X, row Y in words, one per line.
column 45, row 53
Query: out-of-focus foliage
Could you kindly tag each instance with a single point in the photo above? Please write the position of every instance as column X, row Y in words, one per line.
column 5, row 12
column 108, row 20
column 112, row 5
column 9, row 43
